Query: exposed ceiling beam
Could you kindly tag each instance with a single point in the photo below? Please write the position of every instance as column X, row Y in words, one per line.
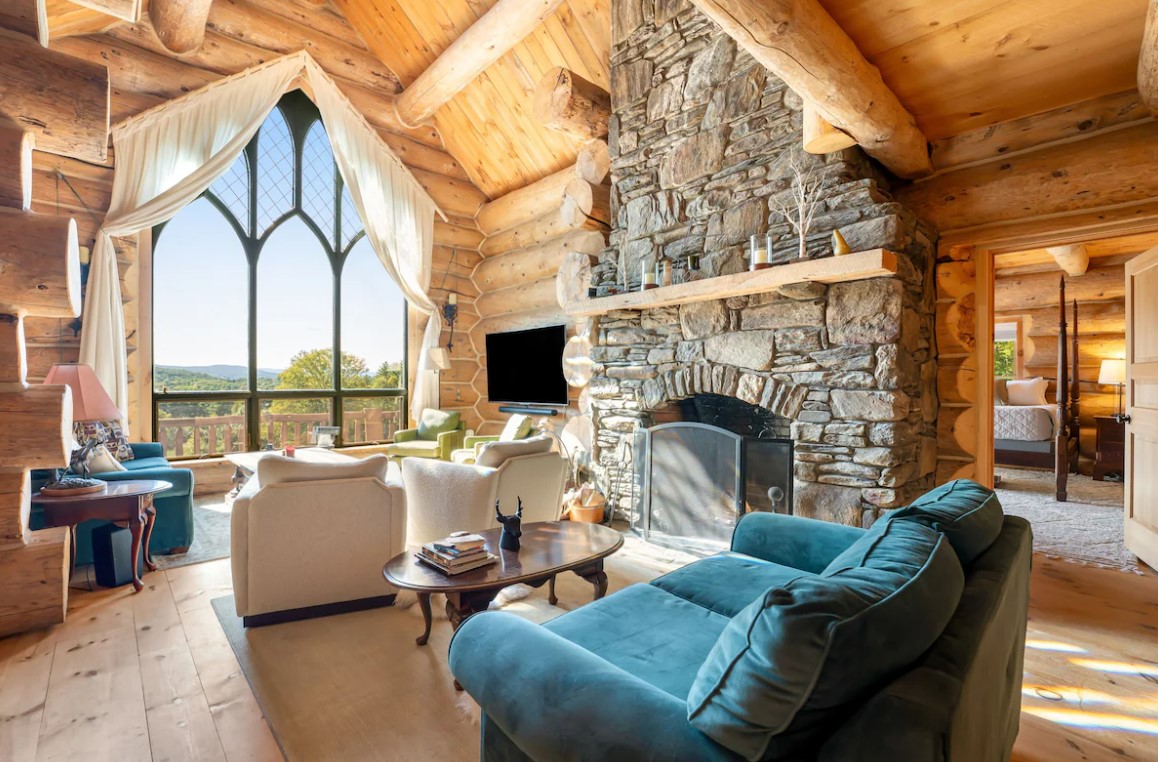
column 125, row 10
column 1148, row 60
column 180, row 24
column 486, row 41
column 805, row 47
column 28, row 17
column 566, row 102
column 1074, row 259
column 820, row 137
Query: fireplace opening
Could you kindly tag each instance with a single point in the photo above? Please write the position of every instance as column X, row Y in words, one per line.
column 706, row 462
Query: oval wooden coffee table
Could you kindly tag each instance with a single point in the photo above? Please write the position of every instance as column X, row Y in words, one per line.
column 548, row 548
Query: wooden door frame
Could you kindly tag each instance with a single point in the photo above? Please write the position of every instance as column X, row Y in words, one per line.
column 981, row 245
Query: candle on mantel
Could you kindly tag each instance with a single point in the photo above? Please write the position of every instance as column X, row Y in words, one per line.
column 648, row 273
column 759, row 253
column 665, row 272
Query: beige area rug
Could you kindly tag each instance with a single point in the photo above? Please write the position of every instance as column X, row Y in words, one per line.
column 1086, row 529
column 211, row 514
column 355, row 687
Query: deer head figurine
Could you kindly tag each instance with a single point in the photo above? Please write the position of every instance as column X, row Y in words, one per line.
column 512, row 527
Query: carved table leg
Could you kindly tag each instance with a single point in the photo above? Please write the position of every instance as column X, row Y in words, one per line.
column 424, row 604
column 596, row 576
column 150, row 516
column 136, row 527
column 551, row 597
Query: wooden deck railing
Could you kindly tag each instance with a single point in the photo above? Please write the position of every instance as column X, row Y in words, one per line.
column 213, row 435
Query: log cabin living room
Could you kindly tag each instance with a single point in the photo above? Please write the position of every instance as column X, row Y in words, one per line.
column 579, row 380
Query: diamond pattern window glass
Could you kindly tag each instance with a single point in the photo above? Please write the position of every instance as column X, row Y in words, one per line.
column 318, row 178
column 351, row 222
column 275, row 170
column 232, row 190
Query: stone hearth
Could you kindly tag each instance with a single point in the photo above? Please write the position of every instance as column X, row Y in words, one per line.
column 702, row 140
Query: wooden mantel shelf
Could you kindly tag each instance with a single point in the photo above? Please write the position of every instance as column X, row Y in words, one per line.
column 575, row 274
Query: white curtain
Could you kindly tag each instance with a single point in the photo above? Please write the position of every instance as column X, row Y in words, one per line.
column 168, row 156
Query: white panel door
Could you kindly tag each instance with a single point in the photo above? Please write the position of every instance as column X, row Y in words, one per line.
column 1142, row 406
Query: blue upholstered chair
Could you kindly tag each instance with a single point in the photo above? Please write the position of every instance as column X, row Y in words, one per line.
column 808, row 640
column 173, row 527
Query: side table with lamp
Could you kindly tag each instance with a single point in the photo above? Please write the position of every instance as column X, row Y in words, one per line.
column 1110, row 444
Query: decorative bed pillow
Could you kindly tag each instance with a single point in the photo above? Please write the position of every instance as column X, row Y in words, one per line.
column 795, row 661
column 1000, row 391
column 1026, row 392
column 108, row 433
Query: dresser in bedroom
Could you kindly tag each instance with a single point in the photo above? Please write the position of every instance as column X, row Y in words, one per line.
column 1109, row 460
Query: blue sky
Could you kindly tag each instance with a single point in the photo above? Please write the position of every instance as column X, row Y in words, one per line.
column 200, row 291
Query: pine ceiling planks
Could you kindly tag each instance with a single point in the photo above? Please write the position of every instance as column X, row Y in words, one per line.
column 490, row 126
column 962, row 64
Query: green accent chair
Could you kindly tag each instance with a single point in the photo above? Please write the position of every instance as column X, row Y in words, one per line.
column 806, row 641
column 518, row 427
column 439, row 433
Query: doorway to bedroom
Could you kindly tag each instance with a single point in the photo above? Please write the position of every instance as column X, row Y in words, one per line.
column 1059, row 348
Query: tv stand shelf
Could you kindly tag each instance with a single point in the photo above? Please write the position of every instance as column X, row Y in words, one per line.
column 575, row 274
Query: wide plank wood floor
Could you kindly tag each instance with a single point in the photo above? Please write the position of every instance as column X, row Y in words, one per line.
column 152, row 677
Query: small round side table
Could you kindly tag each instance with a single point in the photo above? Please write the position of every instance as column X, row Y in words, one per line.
column 125, row 503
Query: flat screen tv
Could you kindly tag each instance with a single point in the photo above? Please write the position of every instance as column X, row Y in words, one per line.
column 527, row 366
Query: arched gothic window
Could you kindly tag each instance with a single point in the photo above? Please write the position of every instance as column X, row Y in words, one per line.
column 257, row 286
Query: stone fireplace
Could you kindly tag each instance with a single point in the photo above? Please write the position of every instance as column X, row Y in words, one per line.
column 703, row 139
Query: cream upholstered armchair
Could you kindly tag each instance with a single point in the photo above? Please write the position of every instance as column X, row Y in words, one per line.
column 446, row 497
column 518, row 427
column 310, row 539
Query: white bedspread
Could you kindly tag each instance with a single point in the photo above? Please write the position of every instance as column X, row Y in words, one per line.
column 1024, row 423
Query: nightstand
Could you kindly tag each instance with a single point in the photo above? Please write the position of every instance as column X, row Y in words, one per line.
column 1111, row 448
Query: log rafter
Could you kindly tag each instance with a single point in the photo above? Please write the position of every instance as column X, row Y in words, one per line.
column 1148, row 61
column 801, row 43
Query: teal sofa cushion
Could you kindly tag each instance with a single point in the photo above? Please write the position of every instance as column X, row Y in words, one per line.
column 792, row 665
column 435, row 422
column 967, row 513
column 727, row 582
column 657, row 637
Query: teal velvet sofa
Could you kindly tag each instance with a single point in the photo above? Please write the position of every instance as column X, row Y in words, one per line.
column 806, row 641
column 173, row 527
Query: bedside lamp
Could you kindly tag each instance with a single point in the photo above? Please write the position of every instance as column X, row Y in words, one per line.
column 90, row 401
column 1113, row 373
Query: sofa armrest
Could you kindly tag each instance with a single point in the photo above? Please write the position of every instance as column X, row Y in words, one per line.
column 806, row 544
column 180, row 478
column 449, row 441
column 471, row 443
column 405, row 435
column 559, row 702
column 147, row 449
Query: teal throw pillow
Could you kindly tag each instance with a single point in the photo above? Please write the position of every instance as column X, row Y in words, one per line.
column 435, row 422
column 796, row 662
column 969, row 515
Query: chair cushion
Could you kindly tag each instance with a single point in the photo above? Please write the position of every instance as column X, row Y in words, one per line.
column 727, row 582
column 967, row 513
column 145, row 464
column 794, row 663
column 464, row 456
column 435, row 422
column 494, row 454
column 657, row 637
column 414, row 448
column 518, row 427
column 278, row 469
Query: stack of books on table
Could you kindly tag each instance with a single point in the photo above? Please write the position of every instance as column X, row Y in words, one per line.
column 457, row 554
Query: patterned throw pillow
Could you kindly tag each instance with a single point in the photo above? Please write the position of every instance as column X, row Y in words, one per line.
column 108, row 433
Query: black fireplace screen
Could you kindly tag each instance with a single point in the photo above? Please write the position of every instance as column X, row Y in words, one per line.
column 694, row 481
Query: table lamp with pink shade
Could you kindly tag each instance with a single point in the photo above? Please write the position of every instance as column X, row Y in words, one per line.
column 90, row 401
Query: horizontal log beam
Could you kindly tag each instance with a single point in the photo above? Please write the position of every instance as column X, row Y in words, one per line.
column 39, row 265
column 34, row 582
column 536, row 261
column 540, row 197
column 13, row 358
column 820, row 137
column 805, row 47
column 14, row 507
column 37, row 425
column 566, row 102
column 529, row 295
column 27, row 17
column 554, row 223
column 486, row 41
column 63, row 101
column 1112, row 168
column 180, row 24
column 1148, row 61
column 16, row 144
column 1022, row 293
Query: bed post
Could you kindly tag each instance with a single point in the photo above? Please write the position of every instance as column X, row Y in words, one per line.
column 1075, row 398
column 1061, row 437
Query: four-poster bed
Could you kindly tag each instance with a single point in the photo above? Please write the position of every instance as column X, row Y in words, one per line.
column 1046, row 435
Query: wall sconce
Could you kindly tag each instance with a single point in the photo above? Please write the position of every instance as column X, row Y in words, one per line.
column 450, row 315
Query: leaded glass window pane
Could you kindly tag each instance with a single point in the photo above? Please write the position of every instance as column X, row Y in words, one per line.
column 232, row 189
column 318, row 179
column 275, row 170
column 351, row 223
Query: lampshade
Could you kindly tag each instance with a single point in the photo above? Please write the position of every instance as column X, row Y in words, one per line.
column 90, row 401
column 440, row 358
column 1113, row 372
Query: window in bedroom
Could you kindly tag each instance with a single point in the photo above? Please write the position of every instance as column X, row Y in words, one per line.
column 258, row 285
column 1007, row 350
